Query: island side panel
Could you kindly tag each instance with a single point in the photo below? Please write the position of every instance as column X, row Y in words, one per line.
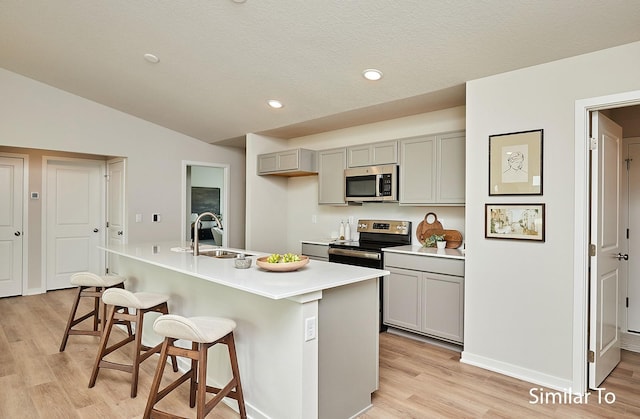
column 348, row 348
column 276, row 365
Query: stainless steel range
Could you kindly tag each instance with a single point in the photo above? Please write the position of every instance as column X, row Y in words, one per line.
column 375, row 235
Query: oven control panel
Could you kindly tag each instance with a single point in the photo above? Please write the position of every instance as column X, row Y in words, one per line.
column 384, row 226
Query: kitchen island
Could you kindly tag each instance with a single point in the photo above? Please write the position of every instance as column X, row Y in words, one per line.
column 307, row 341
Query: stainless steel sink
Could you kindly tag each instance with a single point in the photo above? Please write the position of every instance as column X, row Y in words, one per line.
column 219, row 253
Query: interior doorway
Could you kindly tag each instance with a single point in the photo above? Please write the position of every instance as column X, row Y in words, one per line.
column 582, row 259
column 206, row 188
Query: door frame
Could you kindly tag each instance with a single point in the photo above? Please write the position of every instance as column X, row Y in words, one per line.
column 225, row 198
column 102, row 240
column 25, row 217
column 581, row 241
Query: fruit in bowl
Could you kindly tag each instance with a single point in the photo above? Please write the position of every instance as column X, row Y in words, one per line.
column 282, row 263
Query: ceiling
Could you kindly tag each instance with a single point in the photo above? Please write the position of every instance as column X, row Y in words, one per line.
column 221, row 60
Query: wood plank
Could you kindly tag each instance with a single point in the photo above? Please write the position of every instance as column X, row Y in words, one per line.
column 417, row 379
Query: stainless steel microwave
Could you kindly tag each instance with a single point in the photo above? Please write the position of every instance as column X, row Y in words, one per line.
column 371, row 184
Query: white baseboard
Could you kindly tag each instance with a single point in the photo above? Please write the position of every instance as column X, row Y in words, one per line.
column 630, row 341
column 524, row 374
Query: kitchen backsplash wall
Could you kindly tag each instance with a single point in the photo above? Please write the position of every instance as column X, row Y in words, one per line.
column 309, row 221
column 306, row 220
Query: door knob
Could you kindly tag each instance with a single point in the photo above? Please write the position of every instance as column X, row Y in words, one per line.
column 120, row 233
column 95, row 230
column 17, row 234
column 620, row 256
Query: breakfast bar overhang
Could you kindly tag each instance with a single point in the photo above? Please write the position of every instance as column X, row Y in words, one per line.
column 307, row 340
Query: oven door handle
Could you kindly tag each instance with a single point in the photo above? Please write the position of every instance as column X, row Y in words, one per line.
column 355, row 253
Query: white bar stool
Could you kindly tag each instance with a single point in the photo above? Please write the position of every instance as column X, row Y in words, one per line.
column 203, row 332
column 89, row 285
column 119, row 301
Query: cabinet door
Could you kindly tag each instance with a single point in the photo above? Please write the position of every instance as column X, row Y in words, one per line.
column 331, row 165
column 360, row 155
column 373, row 154
column 418, row 170
column 451, row 168
column 288, row 160
column 443, row 305
column 384, row 153
column 401, row 299
column 267, row 163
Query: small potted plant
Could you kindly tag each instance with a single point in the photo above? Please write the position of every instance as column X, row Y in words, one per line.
column 436, row 240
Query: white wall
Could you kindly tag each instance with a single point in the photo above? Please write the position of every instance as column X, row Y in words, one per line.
column 519, row 295
column 266, row 199
column 35, row 115
column 297, row 198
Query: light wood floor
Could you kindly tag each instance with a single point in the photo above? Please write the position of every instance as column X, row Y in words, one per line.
column 417, row 380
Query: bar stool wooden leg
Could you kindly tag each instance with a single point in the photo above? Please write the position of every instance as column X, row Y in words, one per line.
column 118, row 302
column 204, row 333
column 89, row 286
column 231, row 345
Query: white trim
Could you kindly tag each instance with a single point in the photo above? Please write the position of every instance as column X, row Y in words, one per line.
column 25, row 217
column 630, row 341
column 225, row 201
column 581, row 226
column 515, row 371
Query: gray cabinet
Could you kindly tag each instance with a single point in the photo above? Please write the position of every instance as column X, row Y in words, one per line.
column 316, row 251
column 425, row 295
column 432, row 169
column 372, row 154
column 331, row 165
column 296, row 162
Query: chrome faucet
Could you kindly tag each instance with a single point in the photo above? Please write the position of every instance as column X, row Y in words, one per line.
column 196, row 251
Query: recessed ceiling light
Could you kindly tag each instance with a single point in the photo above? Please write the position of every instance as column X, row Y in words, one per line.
column 151, row 58
column 275, row 104
column 372, row 74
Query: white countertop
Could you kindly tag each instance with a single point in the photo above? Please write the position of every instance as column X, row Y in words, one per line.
column 427, row 251
column 315, row 276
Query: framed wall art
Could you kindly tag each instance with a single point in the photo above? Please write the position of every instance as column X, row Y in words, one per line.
column 515, row 163
column 515, row 221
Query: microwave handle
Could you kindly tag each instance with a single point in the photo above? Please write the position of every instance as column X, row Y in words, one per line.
column 380, row 185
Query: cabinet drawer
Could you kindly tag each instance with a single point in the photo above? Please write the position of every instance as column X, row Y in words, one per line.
column 315, row 250
column 439, row 265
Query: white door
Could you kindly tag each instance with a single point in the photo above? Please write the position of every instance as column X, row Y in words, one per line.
column 633, row 202
column 604, row 323
column 11, row 237
column 74, row 220
column 115, row 209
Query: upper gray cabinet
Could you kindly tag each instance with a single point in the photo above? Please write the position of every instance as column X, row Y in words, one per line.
column 372, row 154
column 331, row 165
column 432, row 169
column 296, row 162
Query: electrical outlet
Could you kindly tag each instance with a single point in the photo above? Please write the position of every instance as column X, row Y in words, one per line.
column 155, row 218
column 351, row 220
column 309, row 328
column 314, row 219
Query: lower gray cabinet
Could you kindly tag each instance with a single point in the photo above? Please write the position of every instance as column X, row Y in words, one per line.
column 425, row 295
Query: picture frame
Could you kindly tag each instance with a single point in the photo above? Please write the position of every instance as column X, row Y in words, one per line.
column 515, row 163
column 515, row 221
